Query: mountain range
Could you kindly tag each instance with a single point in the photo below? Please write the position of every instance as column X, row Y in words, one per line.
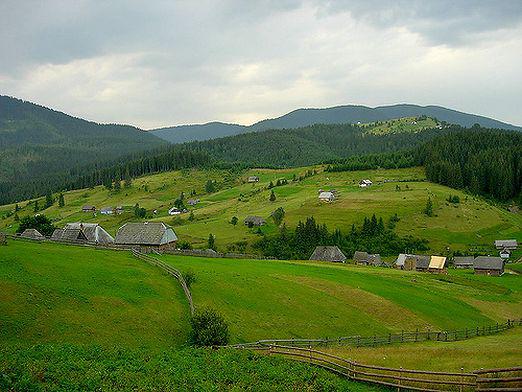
column 334, row 115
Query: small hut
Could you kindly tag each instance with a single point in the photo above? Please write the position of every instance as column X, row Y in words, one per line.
column 361, row 258
column 32, row 234
column 91, row 232
column 328, row 253
column 437, row 265
column 253, row 220
column 463, row 262
column 486, row 265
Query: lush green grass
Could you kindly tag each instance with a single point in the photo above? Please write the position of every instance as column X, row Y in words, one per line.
column 471, row 225
column 503, row 350
column 74, row 368
column 277, row 299
column 53, row 293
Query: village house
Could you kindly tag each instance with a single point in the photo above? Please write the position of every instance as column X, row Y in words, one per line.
column 252, row 179
column 365, row 258
column 462, row 262
column 437, row 265
column 32, row 234
column 409, row 262
column 328, row 253
column 506, row 244
column 148, row 236
column 107, row 211
column 192, row 202
column 326, row 196
column 487, row 265
column 253, row 220
column 177, row 211
column 505, row 254
column 87, row 232
column 88, row 208
column 365, row 183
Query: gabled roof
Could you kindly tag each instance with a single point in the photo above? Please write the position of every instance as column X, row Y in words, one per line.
column 328, row 253
column 32, row 234
column 87, row 207
column 326, row 195
column 57, row 234
column 508, row 244
column 400, row 259
column 73, row 235
column 255, row 220
column 421, row 261
column 437, row 262
column 463, row 260
column 92, row 231
column 376, row 261
column 147, row 233
column 361, row 257
column 488, row 263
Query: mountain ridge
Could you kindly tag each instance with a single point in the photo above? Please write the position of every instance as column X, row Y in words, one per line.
column 332, row 115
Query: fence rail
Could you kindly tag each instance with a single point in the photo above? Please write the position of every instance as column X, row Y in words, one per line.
column 491, row 380
column 402, row 337
column 169, row 270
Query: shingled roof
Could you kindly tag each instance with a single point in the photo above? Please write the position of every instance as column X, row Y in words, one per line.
column 506, row 244
column 328, row 253
column 147, row 233
column 93, row 232
column 488, row 263
column 255, row 220
column 463, row 261
column 361, row 257
column 32, row 234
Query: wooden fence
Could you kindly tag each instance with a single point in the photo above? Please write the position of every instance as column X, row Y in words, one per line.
column 499, row 380
column 391, row 338
column 169, row 270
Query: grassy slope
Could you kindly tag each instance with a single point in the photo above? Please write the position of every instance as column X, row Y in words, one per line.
column 504, row 350
column 473, row 224
column 51, row 293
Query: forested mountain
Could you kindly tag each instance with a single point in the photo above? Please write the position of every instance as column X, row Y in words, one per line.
column 334, row 115
column 36, row 141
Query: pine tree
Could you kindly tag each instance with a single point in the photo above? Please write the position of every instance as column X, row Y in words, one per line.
column 234, row 220
column 17, row 207
column 428, row 210
column 117, row 186
column 49, row 199
column 36, row 208
column 211, row 243
column 210, row 187
column 272, row 196
column 61, row 200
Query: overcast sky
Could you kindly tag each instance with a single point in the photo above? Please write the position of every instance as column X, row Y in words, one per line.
column 160, row 63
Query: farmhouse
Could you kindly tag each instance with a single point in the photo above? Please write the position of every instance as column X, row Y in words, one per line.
column 174, row 211
column 107, row 211
column 505, row 254
column 328, row 253
column 148, row 236
column 88, row 208
column 437, row 264
column 192, row 202
column 253, row 220
column 506, row 244
column 32, row 234
column 361, row 258
column 416, row 263
column 463, row 262
column 91, row 232
column 253, row 179
column 365, row 183
column 69, row 235
column 327, row 196
column 486, row 265
column 399, row 262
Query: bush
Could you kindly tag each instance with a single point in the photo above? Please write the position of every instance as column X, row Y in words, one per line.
column 189, row 277
column 185, row 245
column 39, row 222
column 209, row 328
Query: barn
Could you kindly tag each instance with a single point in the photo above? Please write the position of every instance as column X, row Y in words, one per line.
column 328, row 253
column 487, row 265
column 92, row 232
column 463, row 262
column 148, row 236
column 32, row 234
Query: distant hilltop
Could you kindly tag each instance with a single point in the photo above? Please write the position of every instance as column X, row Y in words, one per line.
column 334, row 115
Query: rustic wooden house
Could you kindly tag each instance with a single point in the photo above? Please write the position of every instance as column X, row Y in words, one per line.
column 107, row 211
column 90, row 232
column 437, row 265
column 88, row 208
column 506, row 244
column 253, row 220
column 505, row 254
column 253, row 179
column 327, row 196
column 328, row 253
column 365, row 183
column 463, row 262
column 32, row 234
column 148, row 236
column 361, row 258
column 487, row 265
column 192, row 202
column 416, row 263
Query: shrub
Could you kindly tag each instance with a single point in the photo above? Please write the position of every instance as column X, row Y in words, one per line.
column 185, row 245
column 209, row 328
column 189, row 277
column 39, row 222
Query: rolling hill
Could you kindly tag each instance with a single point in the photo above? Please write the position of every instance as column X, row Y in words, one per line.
column 334, row 115
column 37, row 141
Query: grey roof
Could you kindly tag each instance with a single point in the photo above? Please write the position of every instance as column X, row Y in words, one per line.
column 57, row 234
column 328, row 253
column 33, row 234
column 192, row 202
column 361, row 257
column 400, row 259
column 421, row 261
column 147, row 233
column 488, row 263
column 508, row 244
column 255, row 220
column 87, row 207
column 463, row 260
column 376, row 261
column 92, row 231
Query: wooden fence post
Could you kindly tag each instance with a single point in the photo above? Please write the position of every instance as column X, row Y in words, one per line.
column 310, row 352
column 462, row 379
column 399, row 379
column 402, row 335
column 416, row 334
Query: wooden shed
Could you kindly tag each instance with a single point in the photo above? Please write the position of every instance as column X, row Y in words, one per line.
column 487, row 265
column 328, row 253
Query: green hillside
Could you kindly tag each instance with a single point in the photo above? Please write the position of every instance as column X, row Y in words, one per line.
column 471, row 225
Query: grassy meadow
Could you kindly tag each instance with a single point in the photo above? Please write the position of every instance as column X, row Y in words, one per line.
column 472, row 225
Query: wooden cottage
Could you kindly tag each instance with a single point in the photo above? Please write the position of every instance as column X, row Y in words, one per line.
column 506, row 244
column 486, row 265
column 416, row 263
column 365, row 183
column 148, row 236
column 327, row 196
column 437, row 265
column 328, row 253
column 192, row 202
column 88, row 208
column 253, row 179
column 361, row 258
column 90, row 232
column 32, row 234
column 107, row 211
column 253, row 220
column 462, row 262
